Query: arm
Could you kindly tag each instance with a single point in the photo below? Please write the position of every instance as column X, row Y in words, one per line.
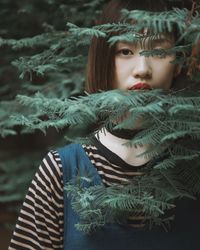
column 40, row 222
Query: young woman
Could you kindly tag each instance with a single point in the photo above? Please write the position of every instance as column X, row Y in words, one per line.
column 46, row 220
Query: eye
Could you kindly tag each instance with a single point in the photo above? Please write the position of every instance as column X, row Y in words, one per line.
column 125, row 52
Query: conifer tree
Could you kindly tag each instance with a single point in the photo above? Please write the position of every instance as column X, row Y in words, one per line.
column 170, row 119
column 37, row 57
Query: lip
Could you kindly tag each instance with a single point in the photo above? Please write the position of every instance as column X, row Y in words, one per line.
column 140, row 85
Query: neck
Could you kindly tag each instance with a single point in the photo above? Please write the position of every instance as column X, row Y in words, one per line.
column 119, row 146
column 124, row 133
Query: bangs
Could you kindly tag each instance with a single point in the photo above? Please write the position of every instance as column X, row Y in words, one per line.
column 101, row 66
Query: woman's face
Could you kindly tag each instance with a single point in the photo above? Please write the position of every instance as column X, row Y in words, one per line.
column 132, row 68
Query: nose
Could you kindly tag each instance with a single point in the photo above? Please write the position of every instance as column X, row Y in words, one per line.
column 142, row 69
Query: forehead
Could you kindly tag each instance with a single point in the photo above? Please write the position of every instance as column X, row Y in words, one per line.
column 148, row 40
column 147, row 33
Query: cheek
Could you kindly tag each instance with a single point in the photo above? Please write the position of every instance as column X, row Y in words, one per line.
column 164, row 72
column 121, row 72
column 120, row 67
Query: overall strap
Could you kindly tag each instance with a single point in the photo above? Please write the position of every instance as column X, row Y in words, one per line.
column 74, row 162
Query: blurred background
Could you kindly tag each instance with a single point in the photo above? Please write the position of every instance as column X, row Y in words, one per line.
column 36, row 56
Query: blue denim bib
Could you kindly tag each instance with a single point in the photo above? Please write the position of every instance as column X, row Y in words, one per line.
column 111, row 237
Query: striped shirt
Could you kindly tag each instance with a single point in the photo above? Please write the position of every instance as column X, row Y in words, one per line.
column 41, row 220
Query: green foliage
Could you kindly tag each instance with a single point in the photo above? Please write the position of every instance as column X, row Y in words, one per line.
column 12, row 188
column 34, row 42
column 170, row 123
column 159, row 21
column 50, row 52
column 151, row 195
column 165, row 122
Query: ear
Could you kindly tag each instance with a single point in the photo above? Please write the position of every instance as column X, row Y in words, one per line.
column 177, row 70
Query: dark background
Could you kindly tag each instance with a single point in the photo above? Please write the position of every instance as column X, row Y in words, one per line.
column 21, row 154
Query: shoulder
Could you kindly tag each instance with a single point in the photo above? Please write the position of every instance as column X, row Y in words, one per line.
column 50, row 170
column 52, row 162
column 69, row 148
column 71, row 153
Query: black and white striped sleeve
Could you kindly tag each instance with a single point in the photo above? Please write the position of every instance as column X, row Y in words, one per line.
column 40, row 222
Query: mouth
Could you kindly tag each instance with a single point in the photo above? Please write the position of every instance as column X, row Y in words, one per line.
column 140, row 86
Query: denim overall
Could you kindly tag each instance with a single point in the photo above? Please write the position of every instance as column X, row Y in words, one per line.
column 112, row 237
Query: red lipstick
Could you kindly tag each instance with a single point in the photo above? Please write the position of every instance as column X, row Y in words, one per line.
column 140, row 86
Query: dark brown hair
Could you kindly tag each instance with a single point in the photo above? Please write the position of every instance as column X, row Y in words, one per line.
column 101, row 66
